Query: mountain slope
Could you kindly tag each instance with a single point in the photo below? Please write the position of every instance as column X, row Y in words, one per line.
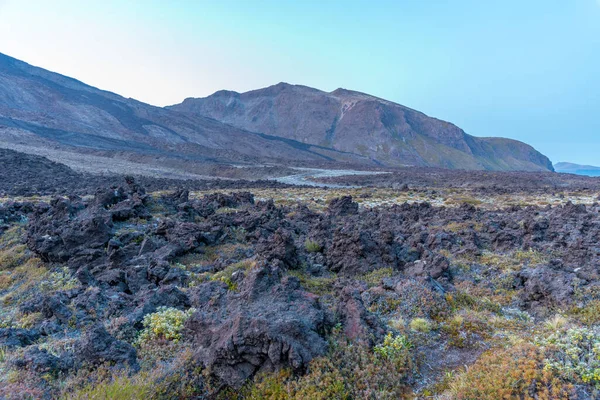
column 359, row 123
column 41, row 110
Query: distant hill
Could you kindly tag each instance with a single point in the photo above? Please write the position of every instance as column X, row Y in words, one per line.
column 359, row 123
column 571, row 168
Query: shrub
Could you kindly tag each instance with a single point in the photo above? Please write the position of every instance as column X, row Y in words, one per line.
column 349, row 371
column 420, row 325
column 166, row 323
column 312, row 246
column 574, row 354
column 466, row 328
column 590, row 314
column 59, row 280
column 393, row 347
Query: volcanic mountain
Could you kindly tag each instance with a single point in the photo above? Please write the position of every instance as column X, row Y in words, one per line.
column 48, row 114
column 355, row 122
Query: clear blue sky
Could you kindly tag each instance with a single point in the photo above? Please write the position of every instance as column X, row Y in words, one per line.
column 524, row 69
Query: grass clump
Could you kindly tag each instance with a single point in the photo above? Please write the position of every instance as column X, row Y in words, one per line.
column 226, row 274
column 319, row 285
column 12, row 250
column 375, row 277
column 513, row 261
column 420, row 325
column 462, row 300
column 466, row 328
column 312, row 246
column 457, row 227
column 118, row 388
column 323, row 382
column 556, row 323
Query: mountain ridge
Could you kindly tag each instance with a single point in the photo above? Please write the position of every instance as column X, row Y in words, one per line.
column 314, row 116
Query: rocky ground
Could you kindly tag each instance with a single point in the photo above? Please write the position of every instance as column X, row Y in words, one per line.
column 480, row 181
column 454, row 291
column 26, row 175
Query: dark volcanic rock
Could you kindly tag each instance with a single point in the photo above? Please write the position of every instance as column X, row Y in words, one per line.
column 545, row 285
column 269, row 325
column 42, row 362
column 342, row 206
column 279, row 248
column 98, row 346
column 13, row 337
column 247, row 270
column 358, row 323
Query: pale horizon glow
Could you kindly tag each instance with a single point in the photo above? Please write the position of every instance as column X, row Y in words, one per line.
column 523, row 70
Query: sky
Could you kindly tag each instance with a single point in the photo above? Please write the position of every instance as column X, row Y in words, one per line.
column 527, row 70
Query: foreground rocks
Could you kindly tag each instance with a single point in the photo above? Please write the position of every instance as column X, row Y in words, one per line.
column 270, row 283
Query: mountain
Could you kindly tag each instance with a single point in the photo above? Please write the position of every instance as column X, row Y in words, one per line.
column 89, row 129
column 577, row 169
column 53, row 115
column 355, row 122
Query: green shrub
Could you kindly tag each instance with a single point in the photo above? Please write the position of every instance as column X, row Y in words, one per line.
column 393, row 347
column 574, row 354
column 59, row 280
column 166, row 323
